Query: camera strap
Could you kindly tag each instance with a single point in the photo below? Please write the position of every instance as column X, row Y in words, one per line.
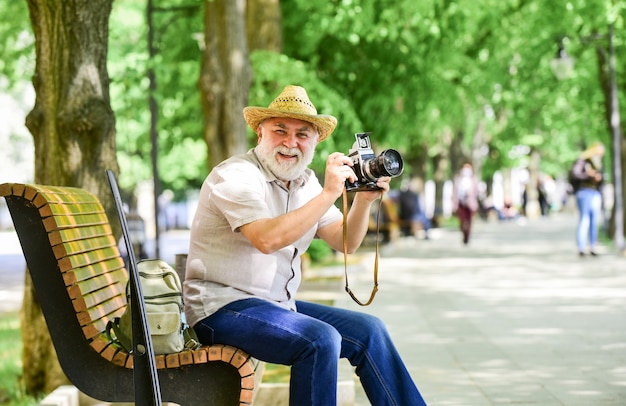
column 345, row 249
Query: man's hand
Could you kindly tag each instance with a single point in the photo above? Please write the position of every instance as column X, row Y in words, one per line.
column 338, row 170
column 358, row 218
column 382, row 183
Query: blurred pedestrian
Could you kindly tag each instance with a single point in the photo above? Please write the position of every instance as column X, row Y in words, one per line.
column 411, row 212
column 465, row 198
column 544, row 203
column 588, row 171
column 508, row 211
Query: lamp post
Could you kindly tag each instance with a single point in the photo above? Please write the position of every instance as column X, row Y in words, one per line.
column 563, row 64
column 562, row 67
column 617, row 147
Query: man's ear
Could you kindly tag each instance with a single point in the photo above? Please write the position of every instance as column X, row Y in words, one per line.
column 258, row 134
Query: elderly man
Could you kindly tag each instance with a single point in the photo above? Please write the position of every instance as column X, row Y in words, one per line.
column 258, row 213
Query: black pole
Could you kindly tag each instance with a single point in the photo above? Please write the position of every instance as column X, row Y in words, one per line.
column 154, row 111
column 145, row 377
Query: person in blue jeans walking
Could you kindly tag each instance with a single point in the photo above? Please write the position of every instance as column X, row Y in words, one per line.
column 257, row 214
column 588, row 172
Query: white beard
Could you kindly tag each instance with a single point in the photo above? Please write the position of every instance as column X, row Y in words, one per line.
column 285, row 171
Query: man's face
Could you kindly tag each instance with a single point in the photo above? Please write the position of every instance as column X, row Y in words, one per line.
column 286, row 146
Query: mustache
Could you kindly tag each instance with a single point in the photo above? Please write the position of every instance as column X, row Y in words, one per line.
column 288, row 151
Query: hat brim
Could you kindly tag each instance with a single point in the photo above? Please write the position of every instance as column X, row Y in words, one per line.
column 255, row 115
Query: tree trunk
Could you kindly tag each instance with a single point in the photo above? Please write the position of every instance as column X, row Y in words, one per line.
column 264, row 25
column 225, row 79
column 73, row 128
column 441, row 168
column 617, row 146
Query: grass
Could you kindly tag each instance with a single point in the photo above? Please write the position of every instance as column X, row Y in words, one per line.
column 275, row 373
column 11, row 391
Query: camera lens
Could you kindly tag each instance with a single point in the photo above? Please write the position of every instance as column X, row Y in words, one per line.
column 388, row 163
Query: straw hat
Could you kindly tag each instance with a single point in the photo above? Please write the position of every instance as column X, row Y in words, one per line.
column 293, row 102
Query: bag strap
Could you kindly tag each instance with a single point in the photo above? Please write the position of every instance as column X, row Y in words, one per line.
column 345, row 249
column 120, row 338
column 190, row 338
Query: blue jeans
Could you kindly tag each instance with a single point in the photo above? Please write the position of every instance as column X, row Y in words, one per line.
column 312, row 340
column 589, row 202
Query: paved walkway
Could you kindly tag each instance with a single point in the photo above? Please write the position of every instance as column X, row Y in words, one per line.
column 515, row 318
column 12, row 267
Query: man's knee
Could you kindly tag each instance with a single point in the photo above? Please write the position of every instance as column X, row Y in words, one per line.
column 330, row 340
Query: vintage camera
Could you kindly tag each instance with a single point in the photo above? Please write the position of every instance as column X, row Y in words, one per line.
column 369, row 167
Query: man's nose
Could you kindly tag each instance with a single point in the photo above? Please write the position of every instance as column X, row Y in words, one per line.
column 291, row 141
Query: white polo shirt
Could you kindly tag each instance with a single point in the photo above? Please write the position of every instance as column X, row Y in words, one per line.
column 222, row 265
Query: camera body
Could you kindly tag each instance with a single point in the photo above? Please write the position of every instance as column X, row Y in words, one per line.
column 368, row 167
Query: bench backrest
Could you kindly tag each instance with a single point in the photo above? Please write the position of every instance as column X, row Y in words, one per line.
column 80, row 281
column 84, row 248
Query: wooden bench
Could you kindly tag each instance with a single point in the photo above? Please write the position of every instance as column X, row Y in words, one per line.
column 79, row 279
column 388, row 226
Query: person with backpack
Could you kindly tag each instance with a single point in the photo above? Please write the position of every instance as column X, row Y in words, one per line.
column 588, row 176
column 257, row 214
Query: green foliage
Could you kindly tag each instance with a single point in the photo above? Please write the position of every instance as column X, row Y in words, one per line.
column 319, row 251
column 181, row 149
column 416, row 71
column 11, row 393
column 274, row 373
column 17, row 58
column 413, row 73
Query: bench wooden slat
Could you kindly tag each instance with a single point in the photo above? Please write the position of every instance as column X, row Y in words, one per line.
column 62, row 222
column 120, row 358
column 87, row 258
column 248, row 381
column 60, row 194
column 65, row 209
column 83, row 283
column 12, row 189
column 246, row 397
column 228, row 353
column 94, row 329
column 239, row 358
column 109, row 309
column 109, row 353
column 82, row 246
column 100, row 342
column 78, row 233
column 101, row 269
column 159, row 361
column 172, row 361
column 95, row 298
column 200, row 356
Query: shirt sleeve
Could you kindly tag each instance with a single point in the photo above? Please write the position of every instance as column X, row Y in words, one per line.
column 238, row 193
